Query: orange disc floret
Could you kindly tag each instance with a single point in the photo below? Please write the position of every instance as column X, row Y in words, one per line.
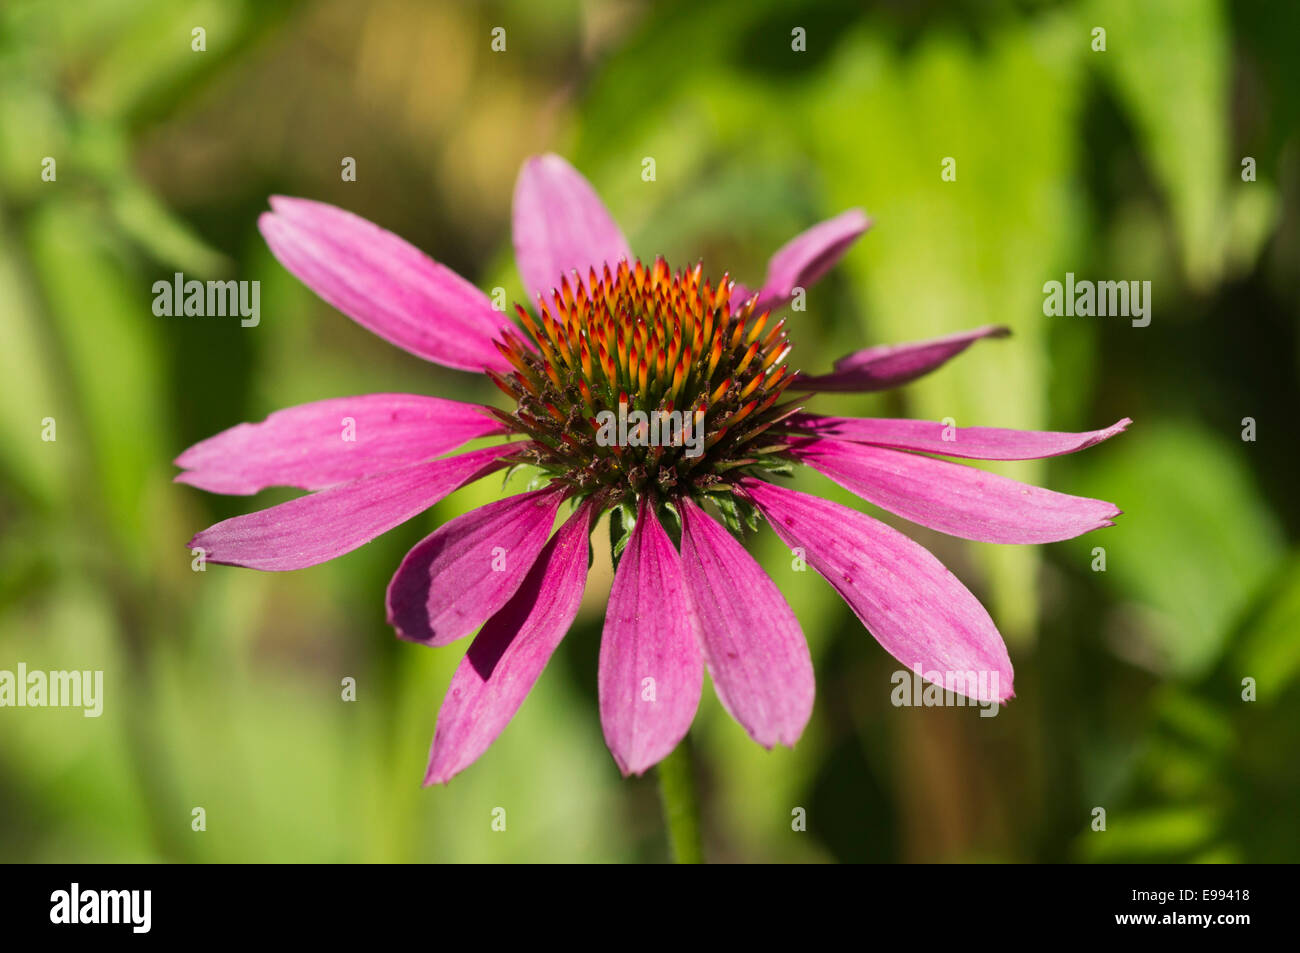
column 640, row 376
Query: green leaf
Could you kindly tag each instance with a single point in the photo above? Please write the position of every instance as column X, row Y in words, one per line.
column 102, row 311
column 1169, row 62
column 944, row 255
column 622, row 520
column 1268, row 649
column 1183, row 491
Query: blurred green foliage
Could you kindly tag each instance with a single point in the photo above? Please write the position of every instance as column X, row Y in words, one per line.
column 223, row 687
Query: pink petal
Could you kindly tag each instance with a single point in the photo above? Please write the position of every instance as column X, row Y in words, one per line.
column 385, row 284
column 560, row 224
column 650, row 665
column 466, row 570
column 914, row 607
column 806, row 257
column 892, row 365
column 316, row 528
column 510, row 652
column 755, row 650
column 976, row 443
column 739, row 295
column 305, row 446
column 958, row 500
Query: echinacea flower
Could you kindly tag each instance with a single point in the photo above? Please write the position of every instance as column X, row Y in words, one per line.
column 612, row 336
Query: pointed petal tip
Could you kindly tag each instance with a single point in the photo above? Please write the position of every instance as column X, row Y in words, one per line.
column 1006, row 688
column 754, row 649
column 890, row 583
column 624, row 768
column 392, row 617
column 465, row 598
column 790, row 737
column 202, row 480
column 1104, row 522
column 784, row 740
column 434, row 778
column 443, row 765
column 892, row 365
column 190, row 478
column 546, row 162
column 287, row 205
column 962, row 501
column 559, row 223
column 860, row 219
column 804, row 259
column 650, row 629
column 638, row 768
column 1118, row 427
column 402, row 635
column 384, row 283
column 786, row 737
column 510, row 652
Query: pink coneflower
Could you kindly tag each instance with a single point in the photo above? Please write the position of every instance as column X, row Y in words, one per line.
column 612, row 336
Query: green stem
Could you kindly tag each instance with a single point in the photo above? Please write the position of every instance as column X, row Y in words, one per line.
column 681, row 806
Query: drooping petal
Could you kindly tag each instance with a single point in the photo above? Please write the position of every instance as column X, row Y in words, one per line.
column 651, row 671
column 952, row 498
column 975, row 443
column 467, row 569
column 916, row 609
column 560, row 224
column 320, row 526
column 510, row 652
column 385, row 284
column 752, row 643
column 806, row 257
column 322, row 444
column 892, row 365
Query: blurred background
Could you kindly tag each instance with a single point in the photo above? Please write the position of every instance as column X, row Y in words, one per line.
column 222, row 688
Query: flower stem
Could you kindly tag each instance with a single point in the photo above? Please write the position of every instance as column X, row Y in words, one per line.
column 681, row 806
